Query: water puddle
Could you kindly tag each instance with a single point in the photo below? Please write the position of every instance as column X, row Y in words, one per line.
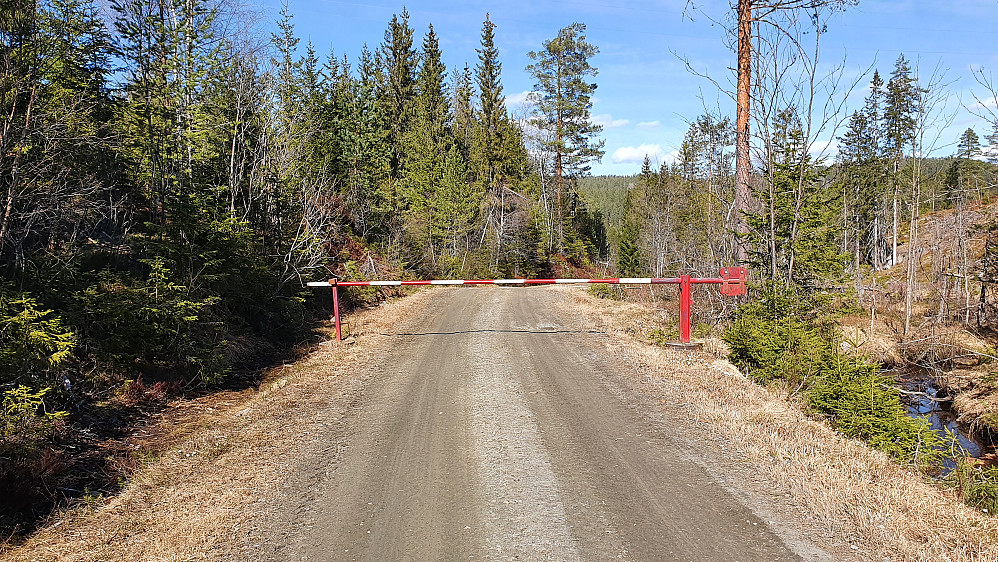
column 928, row 403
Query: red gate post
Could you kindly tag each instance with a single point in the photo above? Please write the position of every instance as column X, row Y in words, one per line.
column 684, row 308
column 336, row 309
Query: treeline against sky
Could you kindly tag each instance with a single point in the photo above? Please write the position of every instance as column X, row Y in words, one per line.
column 170, row 178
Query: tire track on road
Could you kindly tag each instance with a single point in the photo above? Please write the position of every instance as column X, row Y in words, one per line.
column 525, row 514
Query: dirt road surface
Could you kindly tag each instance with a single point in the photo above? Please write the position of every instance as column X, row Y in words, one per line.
column 499, row 430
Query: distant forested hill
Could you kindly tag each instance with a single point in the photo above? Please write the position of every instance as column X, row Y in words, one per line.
column 606, row 195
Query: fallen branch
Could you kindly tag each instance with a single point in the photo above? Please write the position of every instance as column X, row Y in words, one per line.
column 917, row 393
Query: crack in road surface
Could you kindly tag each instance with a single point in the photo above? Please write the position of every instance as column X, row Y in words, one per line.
column 496, row 434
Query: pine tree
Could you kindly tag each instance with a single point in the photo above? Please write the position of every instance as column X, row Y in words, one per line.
column 563, row 97
column 965, row 174
column 969, row 145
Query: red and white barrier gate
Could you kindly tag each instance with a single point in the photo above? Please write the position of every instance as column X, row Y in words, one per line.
column 731, row 280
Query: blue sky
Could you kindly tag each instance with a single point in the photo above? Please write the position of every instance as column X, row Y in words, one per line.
column 646, row 97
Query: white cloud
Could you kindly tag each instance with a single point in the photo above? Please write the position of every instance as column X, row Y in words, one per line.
column 825, row 149
column 986, row 104
column 636, row 155
column 608, row 122
column 649, row 124
column 518, row 99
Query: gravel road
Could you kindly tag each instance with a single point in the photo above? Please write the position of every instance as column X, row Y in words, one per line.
column 496, row 430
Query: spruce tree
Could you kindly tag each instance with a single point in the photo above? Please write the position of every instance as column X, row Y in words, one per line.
column 458, row 213
column 498, row 157
column 432, row 103
column 492, row 107
column 399, row 89
column 55, row 147
column 426, row 146
column 793, row 236
column 864, row 180
column 463, row 112
column 364, row 135
column 629, row 261
column 993, row 144
column 901, row 105
column 901, row 101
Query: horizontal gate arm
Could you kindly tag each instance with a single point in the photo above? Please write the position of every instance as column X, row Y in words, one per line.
column 732, row 281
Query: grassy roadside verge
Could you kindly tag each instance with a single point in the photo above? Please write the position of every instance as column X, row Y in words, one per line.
column 218, row 462
column 889, row 511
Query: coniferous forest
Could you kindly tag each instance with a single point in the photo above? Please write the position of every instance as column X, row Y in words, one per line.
column 171, row 180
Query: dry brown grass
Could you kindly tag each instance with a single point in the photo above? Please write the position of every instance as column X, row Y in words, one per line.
column 977, row 403
column 197, row 501
column 862, row 494
column 928, row 343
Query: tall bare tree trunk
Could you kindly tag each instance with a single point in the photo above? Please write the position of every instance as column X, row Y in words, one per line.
column 916, row 173
column 876, row 241
column 964, row 262
column 742, row 120
column 894, row 231
column 845, row 221
column 559, row 181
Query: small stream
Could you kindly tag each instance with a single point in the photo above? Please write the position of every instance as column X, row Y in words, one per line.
column 940, row 416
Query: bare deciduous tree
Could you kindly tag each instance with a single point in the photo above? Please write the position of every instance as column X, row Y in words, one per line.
column 753, row 18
